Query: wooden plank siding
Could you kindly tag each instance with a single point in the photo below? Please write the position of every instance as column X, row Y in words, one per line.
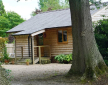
column 52, row 40
column 22, row 40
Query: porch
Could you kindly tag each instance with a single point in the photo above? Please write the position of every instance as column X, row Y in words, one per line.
column 32, row 47
column 44, row 56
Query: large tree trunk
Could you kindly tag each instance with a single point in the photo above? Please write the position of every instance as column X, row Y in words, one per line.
column 87, row 59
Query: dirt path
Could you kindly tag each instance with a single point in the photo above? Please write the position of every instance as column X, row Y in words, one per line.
column 37, row 74
column 48, row 74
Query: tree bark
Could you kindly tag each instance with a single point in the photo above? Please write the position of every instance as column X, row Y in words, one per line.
column 87, row 59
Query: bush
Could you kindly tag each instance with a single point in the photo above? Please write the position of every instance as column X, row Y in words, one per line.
column 60, row 58
column 2, row 46
column 63, row 58
column 3, row 49
column 5, row 54
column 68, row 57
column 46, row 61
column 101, row 35
column 106, row 61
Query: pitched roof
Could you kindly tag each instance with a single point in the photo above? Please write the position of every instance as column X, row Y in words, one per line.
column 51, row 19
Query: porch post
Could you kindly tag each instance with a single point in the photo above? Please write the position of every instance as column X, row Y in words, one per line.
column 39, row 54
column 29, row 45
column 15, row 51
column 22, row 52
column 33, row 48
column 50, row 52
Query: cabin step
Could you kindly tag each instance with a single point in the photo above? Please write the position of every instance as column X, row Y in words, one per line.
column 22, row 60
column 36, row 60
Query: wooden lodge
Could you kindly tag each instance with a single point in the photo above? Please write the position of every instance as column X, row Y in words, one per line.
column 49, row 43
column 47, row 34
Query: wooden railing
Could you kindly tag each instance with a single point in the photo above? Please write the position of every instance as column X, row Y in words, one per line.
column 39, row 47
column 15, row 52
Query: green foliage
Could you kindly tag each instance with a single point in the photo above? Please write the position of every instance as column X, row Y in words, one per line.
column 4, row 26
column 2, row 46
column 3, row 33
column 5, row 54
column 68, row 57
column 106, row 61
column 0, row 63
column 41, row 3
column 45, row 61
column 14, row 18
column 101, row 35
column 7, row 74
column 28, row 60
column 2, row 10
column 51, row 4
column 61, row 58
column 9, row 20
column 4, row 22
column 3, row 49
column 47, row 5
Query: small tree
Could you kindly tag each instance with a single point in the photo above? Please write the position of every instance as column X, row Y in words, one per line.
column 2, row 46
column 48, row 5
column 2, row 10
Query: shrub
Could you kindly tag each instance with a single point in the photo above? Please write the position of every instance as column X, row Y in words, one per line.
column 5, row 54
column 62, row 58
column 2, row 46
column 68, row 57
column 46, row 61
column 106, row 61
column 3, row 50
column 28, row 60
column 101, row 35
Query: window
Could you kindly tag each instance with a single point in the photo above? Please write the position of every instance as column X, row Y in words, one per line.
column 62, row 36
column 40, row 39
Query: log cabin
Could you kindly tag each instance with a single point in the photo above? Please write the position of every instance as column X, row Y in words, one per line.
column 48, row 34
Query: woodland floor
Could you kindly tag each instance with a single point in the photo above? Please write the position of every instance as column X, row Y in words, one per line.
column 47, row 74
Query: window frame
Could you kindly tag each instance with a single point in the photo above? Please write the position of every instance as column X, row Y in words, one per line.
column 62, row 36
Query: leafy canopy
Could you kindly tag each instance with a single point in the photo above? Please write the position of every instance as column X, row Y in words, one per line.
column 47, row 5
column 2, row 10
column 9, row 20
column 13, row 18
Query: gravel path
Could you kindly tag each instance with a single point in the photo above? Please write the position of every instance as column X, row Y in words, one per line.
column 38, row 74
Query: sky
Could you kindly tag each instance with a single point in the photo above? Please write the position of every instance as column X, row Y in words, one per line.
column 23, row 8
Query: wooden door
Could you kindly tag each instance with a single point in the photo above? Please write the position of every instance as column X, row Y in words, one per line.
column 40, row 43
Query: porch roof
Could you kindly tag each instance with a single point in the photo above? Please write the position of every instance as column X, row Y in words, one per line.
column 51, row 19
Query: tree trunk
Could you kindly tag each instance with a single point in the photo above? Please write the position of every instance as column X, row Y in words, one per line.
column 87, row 59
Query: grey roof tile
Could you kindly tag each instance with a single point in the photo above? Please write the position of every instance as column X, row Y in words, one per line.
column 58, row 18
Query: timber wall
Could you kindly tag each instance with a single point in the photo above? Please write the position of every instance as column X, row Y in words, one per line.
column 51, row 38
column 22, row 41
